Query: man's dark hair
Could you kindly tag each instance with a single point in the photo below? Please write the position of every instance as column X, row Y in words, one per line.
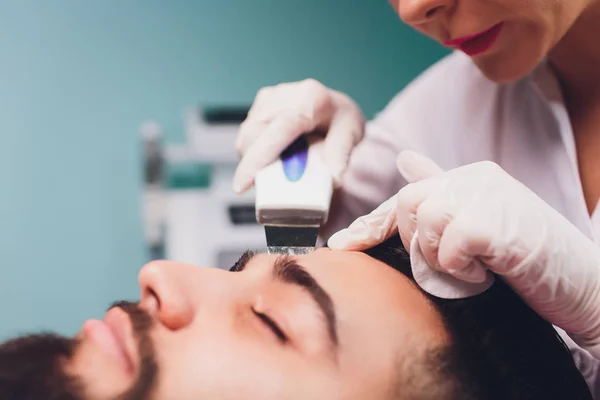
column 500, row 348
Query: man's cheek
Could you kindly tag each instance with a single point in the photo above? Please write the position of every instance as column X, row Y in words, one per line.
column 216, row 366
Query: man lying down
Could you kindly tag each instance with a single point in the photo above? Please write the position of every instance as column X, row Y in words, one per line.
column 328, row 325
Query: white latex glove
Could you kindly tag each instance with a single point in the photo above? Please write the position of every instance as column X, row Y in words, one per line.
column 282, row 113
column 479, row 212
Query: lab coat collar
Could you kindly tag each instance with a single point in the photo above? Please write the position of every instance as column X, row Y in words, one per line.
column 546, row 82
column 547, row 85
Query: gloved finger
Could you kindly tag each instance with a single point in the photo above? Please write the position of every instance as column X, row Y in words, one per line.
column 263, row 110
column 415, row 167
column 264, row 107
column 249, row 131
column 461, row 247
column 432, row 217
column 280, row 133
column 346, row 130
column 368, row 230
column 408, row 200
column 475, row 272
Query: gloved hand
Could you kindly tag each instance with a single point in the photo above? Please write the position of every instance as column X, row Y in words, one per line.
column 479, row 212
column 281, row 113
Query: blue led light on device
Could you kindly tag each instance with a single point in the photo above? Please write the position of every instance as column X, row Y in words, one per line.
column 294, row 159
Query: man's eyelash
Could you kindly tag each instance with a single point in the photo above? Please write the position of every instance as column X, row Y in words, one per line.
column 272, row 325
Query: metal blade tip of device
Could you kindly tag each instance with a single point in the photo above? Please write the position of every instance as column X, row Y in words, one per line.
column 289, row 250
column 291, row 240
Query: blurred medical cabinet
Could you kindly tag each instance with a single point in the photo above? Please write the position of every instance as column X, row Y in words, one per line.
column 190, row 211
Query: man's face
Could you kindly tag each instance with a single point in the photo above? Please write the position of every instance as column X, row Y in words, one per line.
column 328, row 325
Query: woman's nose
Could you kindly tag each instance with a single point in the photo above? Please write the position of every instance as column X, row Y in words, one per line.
column 165, row 293
column 416, row 12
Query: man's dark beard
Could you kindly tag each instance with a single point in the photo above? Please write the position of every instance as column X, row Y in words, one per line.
column 146, row 380
column 31, row 367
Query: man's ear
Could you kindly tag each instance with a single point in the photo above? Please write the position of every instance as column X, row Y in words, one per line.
column 415, row 167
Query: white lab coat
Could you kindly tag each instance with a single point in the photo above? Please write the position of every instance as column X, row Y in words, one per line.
column 456, row 116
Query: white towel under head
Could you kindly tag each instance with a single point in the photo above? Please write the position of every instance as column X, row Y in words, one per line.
column 440, row 284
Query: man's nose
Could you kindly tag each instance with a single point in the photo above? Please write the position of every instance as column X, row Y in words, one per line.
column 173, row 291
column 416, row 12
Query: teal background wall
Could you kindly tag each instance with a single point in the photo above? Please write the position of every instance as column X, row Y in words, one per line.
column 78, row 77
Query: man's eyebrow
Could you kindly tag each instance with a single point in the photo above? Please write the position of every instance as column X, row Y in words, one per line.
column 287, row 270
column 243, row 260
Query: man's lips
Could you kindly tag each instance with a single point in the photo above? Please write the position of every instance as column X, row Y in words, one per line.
column 114, row 335
column 462, row 40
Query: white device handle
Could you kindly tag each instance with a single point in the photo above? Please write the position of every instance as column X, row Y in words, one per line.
column 298, row 182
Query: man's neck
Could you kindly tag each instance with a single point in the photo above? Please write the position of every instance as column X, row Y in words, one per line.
column 576, row 59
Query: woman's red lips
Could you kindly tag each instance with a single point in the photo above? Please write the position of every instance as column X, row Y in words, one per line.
column 478, row 42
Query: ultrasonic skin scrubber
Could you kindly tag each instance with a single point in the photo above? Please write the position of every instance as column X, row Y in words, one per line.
column 293, row 196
